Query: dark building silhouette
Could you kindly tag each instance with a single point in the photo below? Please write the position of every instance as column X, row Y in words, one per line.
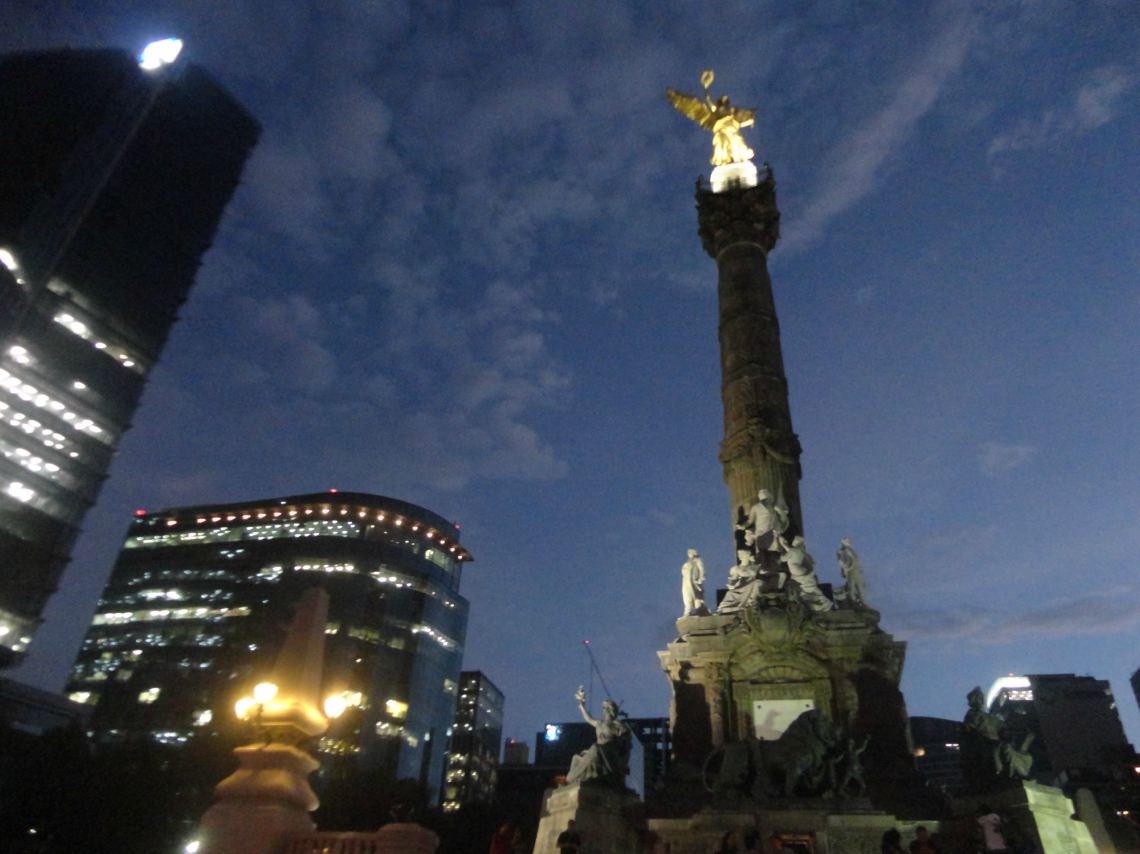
column 200, row 598
column 35, row 711
column 938, row 751
column 1136, row 686
column 114, row 180
column 473, row 760
column 516, row 752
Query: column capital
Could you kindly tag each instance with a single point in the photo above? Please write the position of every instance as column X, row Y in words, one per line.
column 747, row 215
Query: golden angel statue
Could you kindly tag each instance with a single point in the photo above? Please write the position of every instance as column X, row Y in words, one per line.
column 720, row 117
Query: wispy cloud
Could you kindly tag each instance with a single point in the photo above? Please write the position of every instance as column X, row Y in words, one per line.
column 1098, row 614
column 852, row 168
column 1095, row 103
column 998, row 457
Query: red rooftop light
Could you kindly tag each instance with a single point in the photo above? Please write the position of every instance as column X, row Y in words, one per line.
column 332, row 490
column 140, row 512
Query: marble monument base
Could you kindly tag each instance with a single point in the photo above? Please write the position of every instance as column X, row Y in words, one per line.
column 608, row 820
column 820, row 827
column 1040, row 815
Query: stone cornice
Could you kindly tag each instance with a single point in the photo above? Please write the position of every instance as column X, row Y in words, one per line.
column 745, row 215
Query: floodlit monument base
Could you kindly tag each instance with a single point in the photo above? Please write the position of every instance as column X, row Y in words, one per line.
column 608, row 820
column 819, row 828
column 1040, row 814
column 262, row 804
column 742, row 677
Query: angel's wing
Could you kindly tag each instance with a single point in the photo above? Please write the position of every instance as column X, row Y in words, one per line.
column 691, row 107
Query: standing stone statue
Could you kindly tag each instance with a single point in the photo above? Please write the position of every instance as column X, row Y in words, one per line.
column 855, row 590
column 801, row 568
column 763, row 524
column 607, row 760
column 693, row 585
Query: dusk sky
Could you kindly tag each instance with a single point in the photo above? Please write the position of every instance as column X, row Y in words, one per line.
column 463, row 270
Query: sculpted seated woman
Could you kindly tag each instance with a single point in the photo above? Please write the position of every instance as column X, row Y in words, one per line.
column 607, row 761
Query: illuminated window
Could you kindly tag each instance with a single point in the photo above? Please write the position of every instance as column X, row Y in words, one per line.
column 554, row 732
column 202, row 717
column 396, row 709
column 149, row 695
column 81, row 697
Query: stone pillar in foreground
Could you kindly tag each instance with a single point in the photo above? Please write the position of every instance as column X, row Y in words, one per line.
column 739, row 226
column 268, row 799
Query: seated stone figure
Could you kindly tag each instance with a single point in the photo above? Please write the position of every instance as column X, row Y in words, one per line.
column 607, row 760
column 744, row 584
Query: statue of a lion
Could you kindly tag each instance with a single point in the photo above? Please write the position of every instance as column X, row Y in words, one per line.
column 794, row 764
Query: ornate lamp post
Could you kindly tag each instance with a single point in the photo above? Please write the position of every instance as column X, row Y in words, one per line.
column 268, row 798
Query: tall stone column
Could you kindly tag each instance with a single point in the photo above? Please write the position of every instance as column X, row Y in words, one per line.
column 738, row 228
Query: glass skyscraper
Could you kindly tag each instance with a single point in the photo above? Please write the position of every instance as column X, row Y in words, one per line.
column 478, row 732
column 200, row 598
column 114, row 179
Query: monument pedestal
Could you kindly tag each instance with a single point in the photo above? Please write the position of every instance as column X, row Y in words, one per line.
column 1032, row 813
column 747, row 675
column 608, row 820
column 821, row 827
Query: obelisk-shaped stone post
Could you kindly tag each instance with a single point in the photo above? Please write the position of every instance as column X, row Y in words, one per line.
column 739, row 226
column 268, row 799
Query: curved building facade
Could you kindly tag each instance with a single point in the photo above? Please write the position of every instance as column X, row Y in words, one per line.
column 200, row 598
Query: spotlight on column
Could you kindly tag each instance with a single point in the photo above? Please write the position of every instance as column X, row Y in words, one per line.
column 159, row 53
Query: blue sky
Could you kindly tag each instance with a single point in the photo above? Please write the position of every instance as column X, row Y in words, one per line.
column 463, row 270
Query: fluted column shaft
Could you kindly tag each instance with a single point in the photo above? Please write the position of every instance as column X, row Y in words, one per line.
column 760, row 450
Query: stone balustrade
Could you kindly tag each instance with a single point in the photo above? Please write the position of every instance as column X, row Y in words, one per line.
column 402, row 837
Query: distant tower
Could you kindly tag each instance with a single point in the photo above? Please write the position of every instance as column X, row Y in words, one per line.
column 473, row 757
column 759, row 450
column 116, row 173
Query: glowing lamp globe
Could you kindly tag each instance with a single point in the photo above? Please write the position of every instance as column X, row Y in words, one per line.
column 335, row 706
column 159, row 53
column 242, row 706
column 263, row 692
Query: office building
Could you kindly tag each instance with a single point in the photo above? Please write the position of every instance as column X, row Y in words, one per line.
column 115, row 177
column 34, row 711
column 516, row 752
column 473, row 760
column 200, row 597
column 938, row 752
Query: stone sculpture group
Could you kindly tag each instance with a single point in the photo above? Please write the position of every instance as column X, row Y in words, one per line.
column 765, row 564
column 988, row 750
column 812, row 757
